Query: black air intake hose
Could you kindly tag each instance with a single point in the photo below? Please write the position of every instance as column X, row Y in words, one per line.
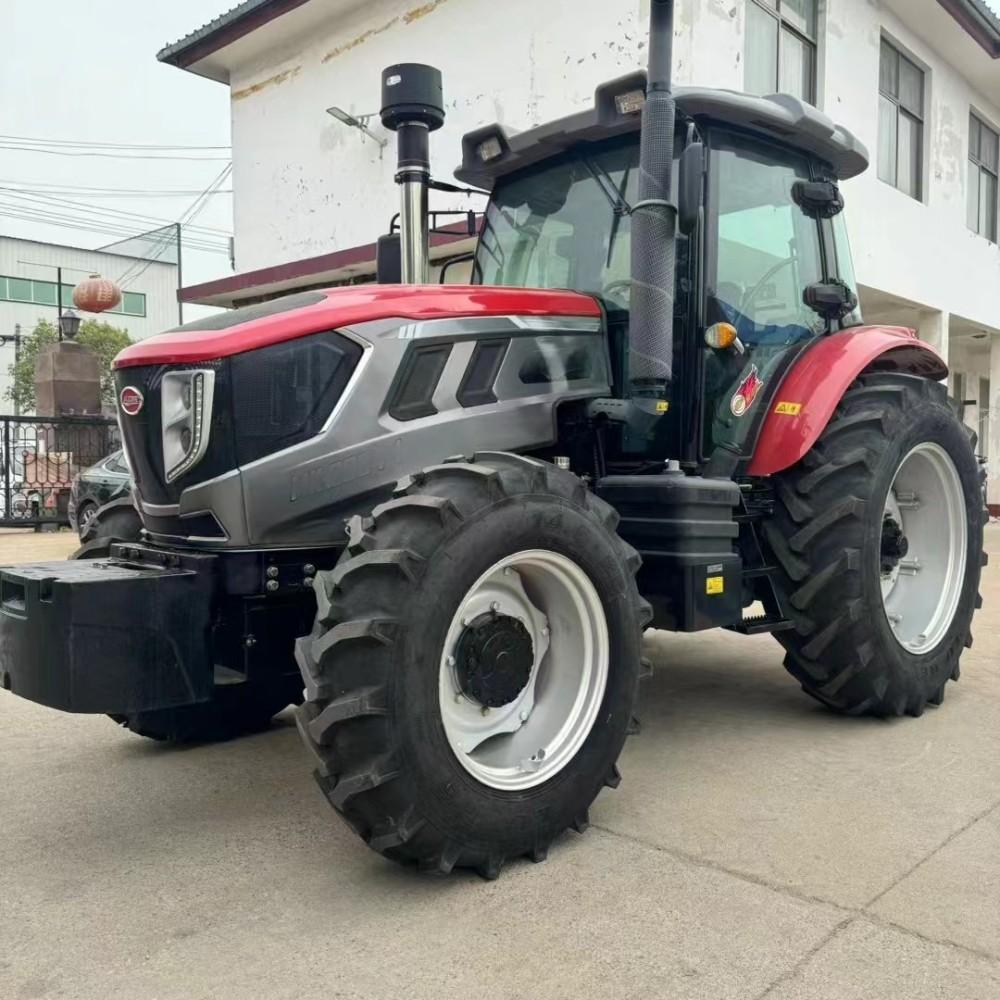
column 654, row 220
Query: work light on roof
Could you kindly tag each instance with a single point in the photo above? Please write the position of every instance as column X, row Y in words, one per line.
column 490, row 149
column 630, row 103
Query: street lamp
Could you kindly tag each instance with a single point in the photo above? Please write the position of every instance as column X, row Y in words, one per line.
column 360, row 122
column 69, row 324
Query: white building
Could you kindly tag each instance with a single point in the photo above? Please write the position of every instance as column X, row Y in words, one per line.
column 29, row 273
column 917, row 80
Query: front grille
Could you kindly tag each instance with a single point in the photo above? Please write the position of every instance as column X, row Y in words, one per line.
column 264, row 401
column 143, row 433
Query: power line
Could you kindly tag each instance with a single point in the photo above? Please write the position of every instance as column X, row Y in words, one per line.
column 126, row 194
column 108, row 229
column 36, row 141
column 78, row 206
column 115, row 156
column 192, row 212
column 94, row 187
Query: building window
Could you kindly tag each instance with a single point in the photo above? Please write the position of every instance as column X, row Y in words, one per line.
column 132, row 304
column 982, row 193
column 781, row 48
column 900, row 122
column 43, row 293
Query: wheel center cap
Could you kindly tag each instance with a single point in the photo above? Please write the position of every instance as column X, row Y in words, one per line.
column 894, row 544
column 493, row 659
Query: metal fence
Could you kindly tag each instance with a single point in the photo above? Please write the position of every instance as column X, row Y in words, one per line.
column 41, row 456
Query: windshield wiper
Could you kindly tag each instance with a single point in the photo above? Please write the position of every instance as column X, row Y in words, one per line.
column 616, row 198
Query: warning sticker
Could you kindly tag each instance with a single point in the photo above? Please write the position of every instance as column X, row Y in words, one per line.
column 715, row 585
column 791, row 409
column 662, row 406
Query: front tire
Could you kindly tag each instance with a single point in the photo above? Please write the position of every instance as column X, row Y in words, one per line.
column 878, row 538
column 391, row 758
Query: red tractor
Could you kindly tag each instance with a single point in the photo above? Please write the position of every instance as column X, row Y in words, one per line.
column 449, row 512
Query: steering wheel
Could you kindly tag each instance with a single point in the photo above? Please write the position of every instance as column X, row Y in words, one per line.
column 748, row 298
column 619, row 284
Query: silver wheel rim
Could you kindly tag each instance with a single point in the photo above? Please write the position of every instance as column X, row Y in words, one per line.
column 922, row 591
column 532, row 738
column 87, row 516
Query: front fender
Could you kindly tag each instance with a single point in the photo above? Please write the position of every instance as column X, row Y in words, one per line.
column 812, row 388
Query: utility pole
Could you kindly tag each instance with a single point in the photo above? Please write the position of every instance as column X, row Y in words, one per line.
column 180, row 304
column 59, row 299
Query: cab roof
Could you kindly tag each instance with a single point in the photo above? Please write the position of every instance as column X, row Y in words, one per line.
column 779, row 117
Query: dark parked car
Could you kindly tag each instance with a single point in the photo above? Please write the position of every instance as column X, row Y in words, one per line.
column 108, row 480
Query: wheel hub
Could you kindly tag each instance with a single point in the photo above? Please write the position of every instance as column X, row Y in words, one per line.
column 493, row 659
column 894, row 544
column 523, row 669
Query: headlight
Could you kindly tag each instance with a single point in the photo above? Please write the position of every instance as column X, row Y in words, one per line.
column 186, row 413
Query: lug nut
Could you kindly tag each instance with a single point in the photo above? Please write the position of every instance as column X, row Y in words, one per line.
column 308, row 581
column 486, row 710
column 272, row 586
column 309, row 569
column 450, row 661
column 495, row 606
column 272, row 572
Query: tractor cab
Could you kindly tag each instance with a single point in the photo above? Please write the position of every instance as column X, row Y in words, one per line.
column 761, row 244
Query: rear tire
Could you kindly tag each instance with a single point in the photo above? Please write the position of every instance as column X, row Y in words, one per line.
column 827, row 539
column 373, row 665
column 235, row 709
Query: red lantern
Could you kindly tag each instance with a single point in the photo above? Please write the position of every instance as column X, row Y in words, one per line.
column 96, row 294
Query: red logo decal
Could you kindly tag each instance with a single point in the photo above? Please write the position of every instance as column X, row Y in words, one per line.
column 131, row 400
column 746, row 393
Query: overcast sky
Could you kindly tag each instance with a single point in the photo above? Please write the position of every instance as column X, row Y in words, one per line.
column 87, row 71
column 74, row 70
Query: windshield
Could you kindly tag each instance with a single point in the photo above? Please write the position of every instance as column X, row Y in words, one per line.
column 565, row 225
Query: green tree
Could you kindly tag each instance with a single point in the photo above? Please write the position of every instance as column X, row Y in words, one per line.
column 101, row 339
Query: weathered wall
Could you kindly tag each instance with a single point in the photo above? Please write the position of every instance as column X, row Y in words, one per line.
column 305, row 184
column 921, row 251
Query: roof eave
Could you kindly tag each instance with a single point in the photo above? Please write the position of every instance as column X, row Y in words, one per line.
column 978, row 21
column 224, row 30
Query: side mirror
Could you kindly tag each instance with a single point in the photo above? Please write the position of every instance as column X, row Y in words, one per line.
column 818, row 199
column 389, row 260
column 690, row 187
column 461, row 259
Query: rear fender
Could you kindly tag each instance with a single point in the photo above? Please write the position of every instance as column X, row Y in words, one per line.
column 804, row 402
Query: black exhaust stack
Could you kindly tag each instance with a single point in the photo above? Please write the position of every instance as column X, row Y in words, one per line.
column 413, row 107
column 654, row 220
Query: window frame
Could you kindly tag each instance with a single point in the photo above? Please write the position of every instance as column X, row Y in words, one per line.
column 979, row 161
column 775, row 10
column 35, row 299
column 729, row 137
column 902, row 111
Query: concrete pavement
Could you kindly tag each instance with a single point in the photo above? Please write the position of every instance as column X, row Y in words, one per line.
column 758, row 847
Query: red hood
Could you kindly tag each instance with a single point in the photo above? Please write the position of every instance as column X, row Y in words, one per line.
column 350, row 306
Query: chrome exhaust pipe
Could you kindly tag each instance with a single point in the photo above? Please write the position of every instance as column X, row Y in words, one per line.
column 413, row 107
